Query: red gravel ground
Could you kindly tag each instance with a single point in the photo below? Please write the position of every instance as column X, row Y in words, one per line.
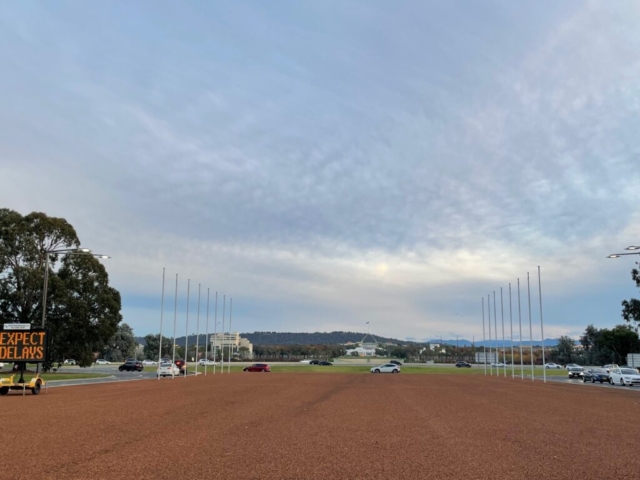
column 309, row 426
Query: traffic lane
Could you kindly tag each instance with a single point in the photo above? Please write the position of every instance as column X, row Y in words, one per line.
column 113, row 378
column 579, row 381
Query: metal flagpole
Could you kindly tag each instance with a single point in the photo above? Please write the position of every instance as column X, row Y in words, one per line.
column 198, row 332
column 530, row 328
column 230, row 344
column 504, row 352
column 175, row 318
column 513, row 365
column 206, row 338
column 489, row 312
column 224, row 303
column 520, row 320
column 544, row 370
column 484, row 339
column 215, row 336
column 495, row 330
column 161, row 316
column 186, row 338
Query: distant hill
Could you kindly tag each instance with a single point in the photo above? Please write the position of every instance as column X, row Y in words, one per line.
column 295, row 338
column 332, row 338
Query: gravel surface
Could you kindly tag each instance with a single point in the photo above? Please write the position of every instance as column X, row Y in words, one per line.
column 339, row 426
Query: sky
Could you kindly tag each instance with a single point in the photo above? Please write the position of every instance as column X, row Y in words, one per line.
column 327, row 164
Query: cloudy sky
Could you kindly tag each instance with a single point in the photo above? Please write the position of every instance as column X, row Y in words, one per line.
column 332, row 163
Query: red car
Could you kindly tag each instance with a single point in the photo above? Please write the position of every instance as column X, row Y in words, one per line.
column 257, row 367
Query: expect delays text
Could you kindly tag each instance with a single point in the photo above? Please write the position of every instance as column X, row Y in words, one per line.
column 22, row 345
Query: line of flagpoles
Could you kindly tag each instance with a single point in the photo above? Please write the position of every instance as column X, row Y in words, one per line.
column 495, row 327
column 207, row 339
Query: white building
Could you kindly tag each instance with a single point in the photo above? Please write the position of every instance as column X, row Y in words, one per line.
column 362, row 352
column 231, row 341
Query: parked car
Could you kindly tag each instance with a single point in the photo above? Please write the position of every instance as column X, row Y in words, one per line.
column 131, row 365
column 462, row 364
column 594, row 375
column 575, row 371
column 102, row 361
column 552, row 365
column 206, row 362
column 325, row 363
column 257, row 367
column 610, row 367
column 386, row 368
column 624, row 376
column 168, row 370
column 149, row 362
column 395, row 362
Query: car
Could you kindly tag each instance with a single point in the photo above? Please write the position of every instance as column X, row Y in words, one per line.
column 552, row 365
column 624, row 376
column 182, row 365
column 149, row 362
column 305, row 361
column 594, row 375
column 610, row 367
column 206, row 362
column 102, row 361
column 131, row 365
column 168, row 370
column 325, row 363
column 575, row 371
column 314, row 362
column 70, row 361
column 386, row 368
column 571, row 365
column 257, row 367
column 498, row 364
column 462, row 364
column 395, row 362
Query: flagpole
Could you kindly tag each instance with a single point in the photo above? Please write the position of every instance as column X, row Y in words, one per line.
column 215, row 336
column 230, row 344
column 495, row 331
column 544, row 370
column 224, row 302
column 161, row 317
column 530, row 328
column 186, row 341
column 206, row 338
column 504, row 353
column 520, row 320
column 484, row 340
column 198, row 331
column 489, row 312
column 175, row 317
column 513, row 365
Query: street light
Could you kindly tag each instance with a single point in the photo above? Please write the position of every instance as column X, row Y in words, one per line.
column 635, row 249
column 66, row 251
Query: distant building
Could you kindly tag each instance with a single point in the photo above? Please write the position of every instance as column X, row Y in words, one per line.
column 231, row 341
column 362, row 352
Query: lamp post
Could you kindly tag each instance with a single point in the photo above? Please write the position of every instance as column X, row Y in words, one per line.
column 65, row 251
column 631, row 247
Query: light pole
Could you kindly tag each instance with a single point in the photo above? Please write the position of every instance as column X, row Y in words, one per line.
column 631, row 247
column 65, row 251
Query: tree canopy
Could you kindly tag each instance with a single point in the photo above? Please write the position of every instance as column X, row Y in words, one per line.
column 631, row 308
column 83, row 311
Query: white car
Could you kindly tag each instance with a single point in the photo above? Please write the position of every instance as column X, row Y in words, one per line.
column 624, row 376
column 102, row 361
column 498, row 365
column 610, row 367
column 149, row 362
column 552, row 365
column 570, row 365
column 168, row 370
column 386, row 368
column 305, row 361
column 204, row 362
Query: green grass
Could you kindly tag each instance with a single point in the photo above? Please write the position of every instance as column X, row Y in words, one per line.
column 55, row 376
column 414, row 370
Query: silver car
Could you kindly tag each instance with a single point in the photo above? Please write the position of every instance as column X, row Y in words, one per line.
column 386, row 368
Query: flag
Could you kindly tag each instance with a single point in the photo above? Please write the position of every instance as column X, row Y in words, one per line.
column 367, row 323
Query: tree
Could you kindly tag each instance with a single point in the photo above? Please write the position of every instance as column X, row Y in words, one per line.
column 151, row 347
column 564, row 350
column 621, row 340
column 121, row 346
column 631, row 308
column 83, row 311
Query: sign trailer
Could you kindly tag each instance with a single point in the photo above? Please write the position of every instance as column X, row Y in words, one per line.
column 21, row 343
